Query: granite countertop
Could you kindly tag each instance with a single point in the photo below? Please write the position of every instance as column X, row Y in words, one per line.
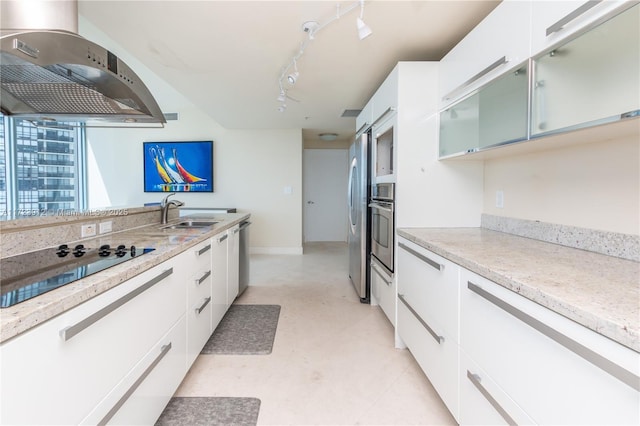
column 166, row 242
column 597, row 291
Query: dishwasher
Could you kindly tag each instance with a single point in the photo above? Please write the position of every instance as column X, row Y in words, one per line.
column 243, row 275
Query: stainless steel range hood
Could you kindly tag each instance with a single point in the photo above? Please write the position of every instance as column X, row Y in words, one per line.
column 50, row 73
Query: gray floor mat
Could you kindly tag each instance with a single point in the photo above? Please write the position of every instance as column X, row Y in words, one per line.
column 197, row 411
column 245, row 330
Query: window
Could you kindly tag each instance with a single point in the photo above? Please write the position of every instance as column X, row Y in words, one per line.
column 41, row 168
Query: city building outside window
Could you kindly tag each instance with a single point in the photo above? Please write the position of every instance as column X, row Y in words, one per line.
column 42, row 168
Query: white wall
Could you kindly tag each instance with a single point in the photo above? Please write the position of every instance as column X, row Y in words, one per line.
column 251, row 167
column 595, row 186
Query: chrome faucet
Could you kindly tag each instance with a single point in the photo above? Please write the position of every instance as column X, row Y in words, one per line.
column 165, row 206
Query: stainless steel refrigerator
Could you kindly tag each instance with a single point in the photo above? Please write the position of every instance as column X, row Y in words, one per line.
column 359, row 226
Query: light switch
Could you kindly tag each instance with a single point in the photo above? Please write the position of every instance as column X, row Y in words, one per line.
column 500, row 199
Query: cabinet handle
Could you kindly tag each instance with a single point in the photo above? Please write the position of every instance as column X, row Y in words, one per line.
column 390, row 109
column 362, row 128
column 204, row 305
column 378, row 271
column 439, row 339
column 625, row 376
column 477, row 382
column 422, row 257
column 571, row 16
column 68, row 332
column 203, row 250
column 203, row 277
column 224, row 237
column 381, row 207
column 478, row 76
column 244, row 225
column 235, row 231
column 163, row 351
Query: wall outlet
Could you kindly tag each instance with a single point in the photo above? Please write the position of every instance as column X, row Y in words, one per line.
column 500, row 199
column 88, row 230
column 105, row 227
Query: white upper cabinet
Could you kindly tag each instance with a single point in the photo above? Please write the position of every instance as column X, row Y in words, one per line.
column 365, row 119
column 385, row 100
column 553, row 21
column 591, row 79
column 498, row 44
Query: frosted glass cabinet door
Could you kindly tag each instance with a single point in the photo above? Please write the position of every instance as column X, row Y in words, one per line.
column 590, row 80
column 496, row 114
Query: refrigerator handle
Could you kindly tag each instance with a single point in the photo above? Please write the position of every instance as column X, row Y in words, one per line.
column 352, row 170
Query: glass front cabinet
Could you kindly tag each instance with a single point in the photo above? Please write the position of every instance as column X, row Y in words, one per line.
column 493, row 115
column 590, row 80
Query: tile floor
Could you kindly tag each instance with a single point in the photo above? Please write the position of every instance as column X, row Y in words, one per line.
column 333, row 360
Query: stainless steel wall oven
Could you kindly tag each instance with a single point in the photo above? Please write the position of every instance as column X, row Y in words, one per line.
column 382, row 224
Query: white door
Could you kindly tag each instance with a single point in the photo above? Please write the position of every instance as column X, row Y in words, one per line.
column 325, row 174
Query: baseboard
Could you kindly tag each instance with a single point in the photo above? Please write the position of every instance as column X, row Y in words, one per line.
column 275, row 250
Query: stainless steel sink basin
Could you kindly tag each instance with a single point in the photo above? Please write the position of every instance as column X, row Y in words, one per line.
column 190, row 224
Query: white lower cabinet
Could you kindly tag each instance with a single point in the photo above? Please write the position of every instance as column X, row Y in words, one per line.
column 428, row 316
column 483, row 402
column 437, row 354
column 556, row 370
column 198, row 272
column 119, row 357
column 496, row 357
column 155, row 379
column 57, row 372
column 383, row 291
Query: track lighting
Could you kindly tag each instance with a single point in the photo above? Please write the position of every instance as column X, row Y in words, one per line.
column 311, row 28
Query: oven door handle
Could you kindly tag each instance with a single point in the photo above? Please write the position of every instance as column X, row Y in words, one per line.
column 381, row 207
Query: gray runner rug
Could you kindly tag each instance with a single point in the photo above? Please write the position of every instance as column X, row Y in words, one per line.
column 245, row 330
column 197, row 411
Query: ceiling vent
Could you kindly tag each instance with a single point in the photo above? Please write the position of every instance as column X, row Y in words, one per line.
column 351, row 113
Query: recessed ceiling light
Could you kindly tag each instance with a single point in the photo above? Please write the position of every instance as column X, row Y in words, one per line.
column 328, row 136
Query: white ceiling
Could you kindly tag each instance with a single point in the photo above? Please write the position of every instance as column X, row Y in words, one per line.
column 227, row 56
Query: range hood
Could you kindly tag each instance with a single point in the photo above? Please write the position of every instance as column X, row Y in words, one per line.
column 50, row 73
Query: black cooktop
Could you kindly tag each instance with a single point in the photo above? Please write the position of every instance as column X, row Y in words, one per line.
column 31, row 274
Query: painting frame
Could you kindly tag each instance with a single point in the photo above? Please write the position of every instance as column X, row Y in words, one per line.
column 178, row 166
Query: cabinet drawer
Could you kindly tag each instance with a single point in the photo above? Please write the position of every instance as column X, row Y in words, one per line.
column 483, row 402
column 100, row 354
column 554, row 21
column 140, row 398
column 219, row 275
column 523, row 347
column 383, row 291
column 199, row 311
column 437, row 358
column 430, row 284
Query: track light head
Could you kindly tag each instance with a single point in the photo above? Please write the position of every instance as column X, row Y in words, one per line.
column 282, row 108
column 282, row 97
column 293, row 77
column 363, row 29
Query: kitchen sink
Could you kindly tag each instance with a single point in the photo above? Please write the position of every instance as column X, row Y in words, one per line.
column 190, row 224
